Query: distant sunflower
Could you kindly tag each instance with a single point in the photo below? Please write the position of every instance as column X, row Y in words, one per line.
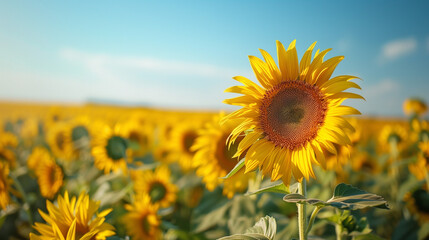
column 8, row 141
column 420, row 131
column 156, row 184
column 294, row 115
column 80, row 132
column 37, row 156
column 73, row 219
column 49, row 177
column 5, row 183
column 142, row 221
column 414, row 106
column 139, row 136
column 60, row 141
column 417, row 202
column 214, row 158
column 421, row 167
column 110, row 149
column 393, row 136
column 183, row 136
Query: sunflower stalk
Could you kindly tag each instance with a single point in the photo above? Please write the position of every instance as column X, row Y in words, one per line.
column 302, row 189
column 312, row 218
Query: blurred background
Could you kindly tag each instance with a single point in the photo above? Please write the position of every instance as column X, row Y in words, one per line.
column 119, row 102
column 183, row 54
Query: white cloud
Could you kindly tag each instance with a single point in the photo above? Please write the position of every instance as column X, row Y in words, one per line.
column 398, row 48
column 383, row 87
column 382, row 98
column 103, row 65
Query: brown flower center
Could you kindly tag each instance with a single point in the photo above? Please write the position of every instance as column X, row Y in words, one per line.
column 292, row 113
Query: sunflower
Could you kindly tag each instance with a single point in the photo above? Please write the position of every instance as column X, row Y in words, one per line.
column 140, row 137
column 417, row 201
column 37, row 156
column 183, row 137
column 294, row 115
column 73, row 219
column 5, row 183
column 142, row 221
column 49, row 177
column 29, row 129
column 7, row 142
column 421, row 168
column 414, row 106
column 420, row 131
column 156, row 184
column 393, row 137
column 60, row 141
column 80, row 132
column 214, row 159
column 110, row 149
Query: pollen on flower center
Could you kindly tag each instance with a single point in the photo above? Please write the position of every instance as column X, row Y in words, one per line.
column 291, row 113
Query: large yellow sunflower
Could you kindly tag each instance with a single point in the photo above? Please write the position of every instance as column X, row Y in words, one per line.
column 49, row 177
column 110, row 149
column 73, row 219
column 214, row 159
column 142, row 221
column 156, row 184
column 294, row 115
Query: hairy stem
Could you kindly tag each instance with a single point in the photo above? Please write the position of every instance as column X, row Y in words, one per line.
column 302, row 189
column 312, row 218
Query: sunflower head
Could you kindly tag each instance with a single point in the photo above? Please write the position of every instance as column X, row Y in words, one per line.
column 414, row 106
column 49, row 177
column 295, row 115
column 156, row 184
column 214, row 158
column 73, row 219
column 142, row 221
column 417, row 202
column 110, row 149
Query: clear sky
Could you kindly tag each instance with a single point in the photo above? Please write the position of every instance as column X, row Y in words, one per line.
column 183, row 53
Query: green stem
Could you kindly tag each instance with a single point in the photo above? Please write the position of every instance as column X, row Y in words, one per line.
column 21, row 190
column 312, row 218
column 302, row 189
column 338, row 231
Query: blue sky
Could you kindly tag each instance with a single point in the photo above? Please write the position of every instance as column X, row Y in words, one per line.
column 182, row 54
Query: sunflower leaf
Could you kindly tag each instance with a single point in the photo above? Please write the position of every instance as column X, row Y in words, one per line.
column 348, row 197
column 264, row 229
column 298, row 198
column 345, row 197
column 237, row 167
column 276, row 188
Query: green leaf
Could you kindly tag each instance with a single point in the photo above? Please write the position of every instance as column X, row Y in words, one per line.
column 348, row 197
column 264, row 229
column 276, row 188
column 345, row 197
column 298, row 198
column 237, row 167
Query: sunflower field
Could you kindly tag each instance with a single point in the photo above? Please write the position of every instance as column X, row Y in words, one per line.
column 292, row 162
